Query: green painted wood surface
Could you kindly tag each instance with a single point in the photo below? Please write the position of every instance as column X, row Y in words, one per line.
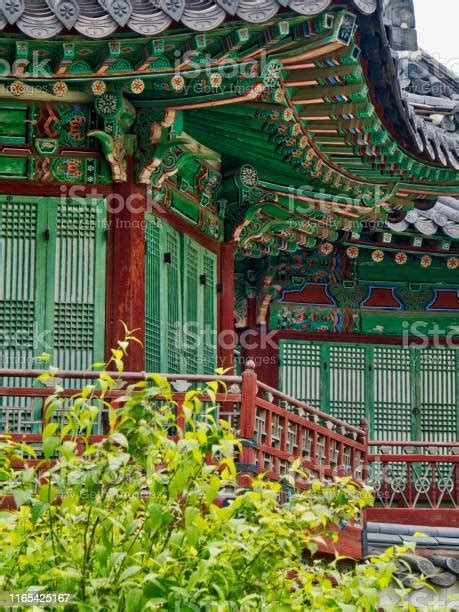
column 406, row 393
column 163, row 295
column 13, row 126
column 152, row 293
column 417, row 324
column 209, row 310
column 193, row 304
column 172, row 300
column 411, row 272
column 180, row 301
column 52, row 290
column 375, row 322
column 14, row 167
column 23, row 254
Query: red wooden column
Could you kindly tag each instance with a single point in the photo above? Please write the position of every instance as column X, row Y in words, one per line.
column 247, row 466
column 126, row 267
column 226, row 335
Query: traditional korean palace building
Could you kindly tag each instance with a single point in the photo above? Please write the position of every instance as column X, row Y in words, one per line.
column 273, row 179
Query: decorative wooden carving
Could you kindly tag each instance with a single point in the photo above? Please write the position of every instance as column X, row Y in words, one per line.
column 118, row 115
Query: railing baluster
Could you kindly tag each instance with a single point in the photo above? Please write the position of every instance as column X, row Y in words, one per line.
column 284, row 434
column 430, row 468
column 247, row 423
column 299, row 440
column 284, row 426
column 327, row 452
column 340, row 459
column 433, row 487
column 409, row 485
column 456, row 482
column 314, row 461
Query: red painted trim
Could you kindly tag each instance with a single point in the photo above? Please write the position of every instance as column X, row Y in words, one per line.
column 412, row 458
column 126, row 271
column 349, row 543
column 225, row 302
column 445, row 299
column 109, row 294
column 381, row 297
column 430, row 517
column 312, row 293
column 252, row 312
column 184, row 227
column 26, row 188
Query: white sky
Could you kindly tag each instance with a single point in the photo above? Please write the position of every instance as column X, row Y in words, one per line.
column 437, row 25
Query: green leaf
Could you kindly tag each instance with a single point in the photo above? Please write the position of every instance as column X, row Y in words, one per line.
column 213, row 489
column 102, row 553
column 38, row 507
column 21, row 496
column 47, row 493
column 134, row 600
column 117, row 461
column 49, row 430
column 129, row 571
column 68, row 448
column 120, row 439
column 50, row 445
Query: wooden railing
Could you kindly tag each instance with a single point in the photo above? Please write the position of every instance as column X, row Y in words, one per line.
column 281, row 428
column 415, row 475
column 275, row 428
column 415, row 482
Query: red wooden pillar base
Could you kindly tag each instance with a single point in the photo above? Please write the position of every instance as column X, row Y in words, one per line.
column 247, row 466
column 126, row 268
column 226, row 338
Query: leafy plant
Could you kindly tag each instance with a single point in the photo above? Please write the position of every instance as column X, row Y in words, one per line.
column 132, row 522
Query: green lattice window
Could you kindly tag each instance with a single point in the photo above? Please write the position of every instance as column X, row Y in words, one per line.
column 438, row 392
column 393, row 414
column 52, row 291
column 208, row 289
column 152, row 294
column 180, row 308
column 406, row 393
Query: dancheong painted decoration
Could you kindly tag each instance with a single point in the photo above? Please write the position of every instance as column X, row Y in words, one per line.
column 238, row 180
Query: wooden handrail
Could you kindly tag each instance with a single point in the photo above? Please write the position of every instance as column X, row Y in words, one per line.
column 413, row 458
column 426, row 477
column 310, row 410
column 326, row 444
column 135, row 376
column 277, row 428
column 414, row 443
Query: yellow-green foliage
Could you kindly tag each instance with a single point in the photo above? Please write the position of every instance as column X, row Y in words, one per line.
column 131, row 524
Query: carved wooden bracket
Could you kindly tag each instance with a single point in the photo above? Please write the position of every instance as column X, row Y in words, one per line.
column 118, row 115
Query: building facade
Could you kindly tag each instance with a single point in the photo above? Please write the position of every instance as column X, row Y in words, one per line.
column 273, row 179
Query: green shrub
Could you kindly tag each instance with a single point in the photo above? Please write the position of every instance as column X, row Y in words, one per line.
column 131, row 523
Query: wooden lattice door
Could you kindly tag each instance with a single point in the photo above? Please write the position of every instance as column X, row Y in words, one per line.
column 438, row 392
column 52, row 291
column 406, row 393
column 180, row 301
